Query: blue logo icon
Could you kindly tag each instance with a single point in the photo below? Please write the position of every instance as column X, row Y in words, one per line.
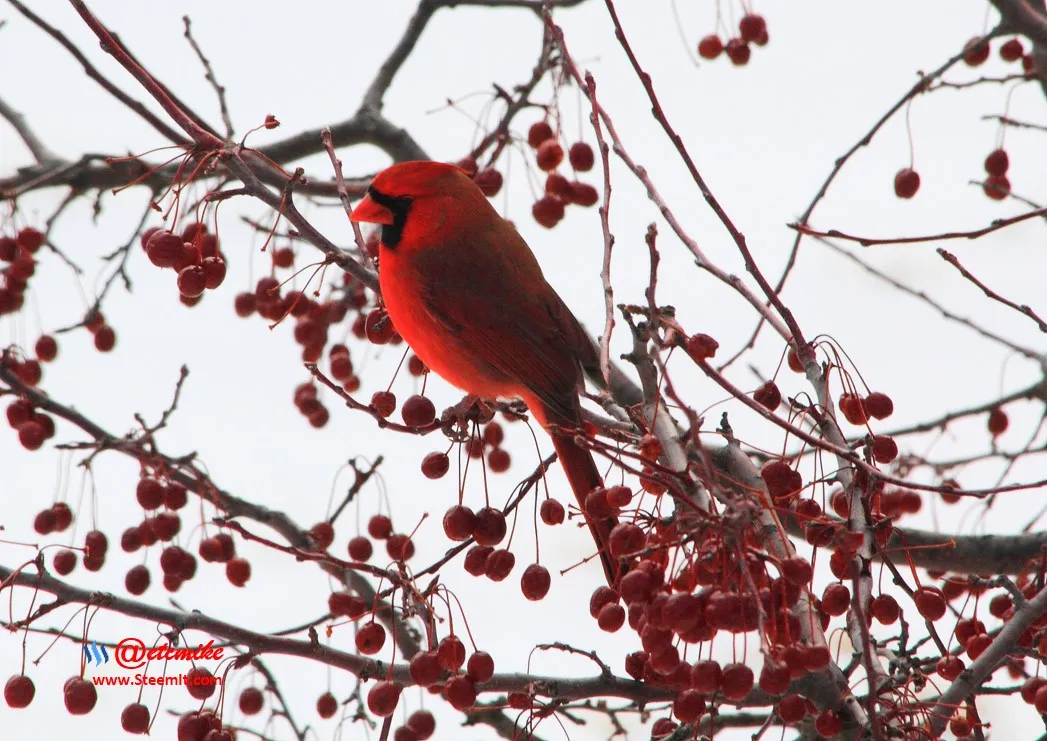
column 93, row 650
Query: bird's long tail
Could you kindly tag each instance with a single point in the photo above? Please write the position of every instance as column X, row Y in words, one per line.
column 583, row 475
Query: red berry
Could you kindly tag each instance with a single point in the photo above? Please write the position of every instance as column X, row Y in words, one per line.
column 885, row 609
column 425, row 668
column 200, row 683
column 30, row 239
column 738, row 52
column 625, row 538
column 535, row 582
column 499, row 565
column 701, row 347
column 379, row 527
column 63, row 516
column 949, row 667
column 498, row 460
column 752, row 27
column 768, row 395
column 997, row 187
column 879, row 405
column 149, row 493
column 326, row 705
column 435, row 465
column 459, row 522
column 418, row 411
column 853, row 409
column 322, row 535
column 384, row 403
column 548, row 211
column 583, row 194
column 137, row 580
column 997, row 421
column 736, row 681
column 689, row 706
column 31, row 436
column 611, row 617
column 370, row 638
column 244, row 304
column 1012, row 50
column 551, row 512
column 19, row 691
column 64, row 561
column 476, row 559
column 930, row 602
column 997, row 162
column 792, row 709
column 469, row 165
column 906, row 182
column 46, row 348
column 80, row 696
column 360, row 549
column 105, row 338
column 422, row 723
column 135, row 718
column 539, row 132
column 828, row 724
column 460, row 692
column 399, row 547
column 489, row 181
column 884, row 448
column 164, row 249
column 251, row 701
column 8, row 249
column 710, row 47
column 489, row 528
column 451, row 653
column 214, row 271
column 283, row 257
column 378, row 327
column 774, row 677
column 975, row 51
column 383, row 697
column 480, row 667
column 237, row 571
column 836, row 599
column 581, row 157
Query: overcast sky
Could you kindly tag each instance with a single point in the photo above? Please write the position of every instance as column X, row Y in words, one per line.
column 764, row 136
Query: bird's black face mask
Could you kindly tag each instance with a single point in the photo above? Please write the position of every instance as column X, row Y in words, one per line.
column 398, row 206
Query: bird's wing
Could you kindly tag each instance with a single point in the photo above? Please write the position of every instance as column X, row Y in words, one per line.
column 507, row 317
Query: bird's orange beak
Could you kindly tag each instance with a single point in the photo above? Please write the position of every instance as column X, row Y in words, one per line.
column 369, row 212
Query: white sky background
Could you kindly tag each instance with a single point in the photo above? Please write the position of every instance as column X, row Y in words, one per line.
column 764, row 137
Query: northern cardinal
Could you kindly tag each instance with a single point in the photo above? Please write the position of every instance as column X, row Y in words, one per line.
column 465, row 291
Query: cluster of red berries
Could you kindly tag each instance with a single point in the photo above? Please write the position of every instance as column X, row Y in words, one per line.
column 17, row 252
column 996, row 185
column 559, row 191
column 79, row 694
column 398, row 546
column 489, row 179
column 752, row 29
column 976, row 52
column 435, row 465
column 193, row 254
column 440, row 669
column 203, row 725
column 29, row 370
column 313, row 320
column 33, row 427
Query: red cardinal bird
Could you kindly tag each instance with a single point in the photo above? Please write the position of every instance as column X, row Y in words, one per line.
column 465, row 291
